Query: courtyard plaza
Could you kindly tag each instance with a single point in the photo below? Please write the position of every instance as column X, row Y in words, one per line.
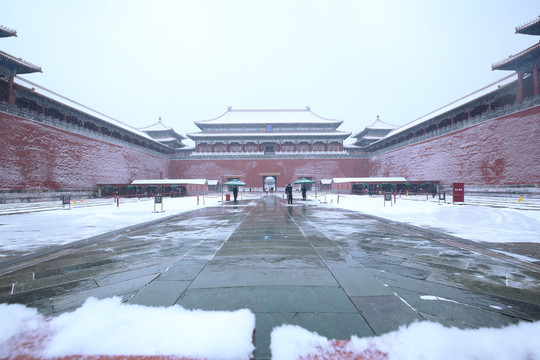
column 329, row 270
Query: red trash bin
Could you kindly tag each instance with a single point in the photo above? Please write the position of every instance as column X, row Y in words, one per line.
column 227, row 197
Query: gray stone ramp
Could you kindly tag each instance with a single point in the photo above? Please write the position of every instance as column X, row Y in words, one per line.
column 287, row 272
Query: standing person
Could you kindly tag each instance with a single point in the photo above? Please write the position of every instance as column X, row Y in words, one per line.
column 304, row 192
column 235, row 192
column 288, row 191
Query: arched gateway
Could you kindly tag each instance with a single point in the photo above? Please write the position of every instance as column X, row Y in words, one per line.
column 269, row 181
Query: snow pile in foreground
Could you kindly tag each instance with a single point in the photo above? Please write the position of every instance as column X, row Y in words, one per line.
column 421, row 340
column 108, row 327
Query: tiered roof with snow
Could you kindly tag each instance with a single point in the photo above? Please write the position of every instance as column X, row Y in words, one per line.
column 267, row 124
column 524, row 59
column 11, row 65
column 376, row 131
column 164, row 134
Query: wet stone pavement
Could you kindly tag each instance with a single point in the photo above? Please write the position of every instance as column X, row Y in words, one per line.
column 336, row 272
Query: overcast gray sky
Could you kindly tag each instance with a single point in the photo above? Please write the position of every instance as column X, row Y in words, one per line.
column 186, row 61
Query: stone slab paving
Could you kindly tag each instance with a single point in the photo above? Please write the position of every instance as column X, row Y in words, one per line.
column 336, row 272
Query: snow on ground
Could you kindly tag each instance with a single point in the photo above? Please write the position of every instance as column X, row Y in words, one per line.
column 476, row 222
column 29, row 231
column 485, row 220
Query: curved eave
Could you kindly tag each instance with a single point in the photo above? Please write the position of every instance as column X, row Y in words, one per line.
column 6, row 32
column 265, row 116
column 19, row 66
column 164, row 133
column 515, row 62
column 530, row 28
column 272, row 136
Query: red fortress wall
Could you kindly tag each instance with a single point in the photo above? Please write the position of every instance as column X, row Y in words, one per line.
column 251, row 170
column 35, row 156
column 503, row 151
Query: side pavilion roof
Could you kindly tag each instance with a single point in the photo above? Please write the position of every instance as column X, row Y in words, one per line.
column 279, row 116
column 161, row 129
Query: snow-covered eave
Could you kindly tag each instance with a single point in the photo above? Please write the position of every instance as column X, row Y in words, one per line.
column 29, row 67
column 78, row 106
column 160, row 128
column 7, row 32
column 162, row 139
column 165, row 135
column 253, row 117
column 169, row 182
column 369, row 180
column 339, row 134
column 496, row 86
column 506, row 64
column 525, row 28
column 370, row 138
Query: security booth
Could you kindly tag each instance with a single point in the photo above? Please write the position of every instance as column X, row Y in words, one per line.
column 171, row 187
column 366, row 185
column 213, row 185
column 326, row 184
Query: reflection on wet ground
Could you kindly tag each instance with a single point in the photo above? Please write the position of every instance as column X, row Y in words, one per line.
column 328, row 270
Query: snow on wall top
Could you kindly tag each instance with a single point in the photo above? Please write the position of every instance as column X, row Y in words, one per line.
column 77, row 106
column 369, row 180
column 275, row 116
column 170, row 182
column 457, row 103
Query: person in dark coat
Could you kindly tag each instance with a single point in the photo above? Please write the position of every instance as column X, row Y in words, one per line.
column 304, row 192
column 288, row 191
column 235, row 192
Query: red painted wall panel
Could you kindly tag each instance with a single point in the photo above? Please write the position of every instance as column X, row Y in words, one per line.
column 35, row 156
column 503, row 151
column 251, row 169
